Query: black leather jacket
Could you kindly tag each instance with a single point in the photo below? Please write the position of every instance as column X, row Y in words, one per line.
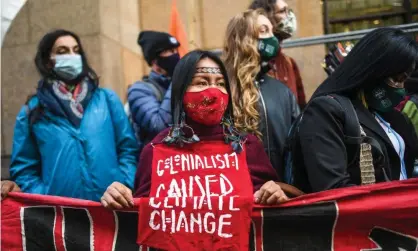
column 324, row 158
column 278, row 109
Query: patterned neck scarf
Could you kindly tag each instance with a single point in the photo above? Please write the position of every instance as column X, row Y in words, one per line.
column 65, row 100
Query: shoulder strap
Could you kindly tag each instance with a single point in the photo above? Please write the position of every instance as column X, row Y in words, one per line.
column 352, row 133
column 158, row 91
column 352, row 127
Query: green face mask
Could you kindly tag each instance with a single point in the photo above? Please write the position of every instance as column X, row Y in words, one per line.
column 268, row 48
column 384, row 98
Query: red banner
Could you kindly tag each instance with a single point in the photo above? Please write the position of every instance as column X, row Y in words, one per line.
column 377, row 217
column 203, row 189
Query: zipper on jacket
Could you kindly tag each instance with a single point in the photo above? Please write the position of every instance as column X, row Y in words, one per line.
column 266, row 118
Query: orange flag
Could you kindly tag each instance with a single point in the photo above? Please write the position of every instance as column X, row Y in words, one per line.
column 177, row 29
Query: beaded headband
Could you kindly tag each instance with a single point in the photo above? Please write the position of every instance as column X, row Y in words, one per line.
column 210, row 70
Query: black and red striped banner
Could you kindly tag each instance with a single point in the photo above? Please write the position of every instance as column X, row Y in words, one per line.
column 377, row 217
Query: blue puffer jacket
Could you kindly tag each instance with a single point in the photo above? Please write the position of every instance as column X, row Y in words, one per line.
column 53, row 157
column 150, row 106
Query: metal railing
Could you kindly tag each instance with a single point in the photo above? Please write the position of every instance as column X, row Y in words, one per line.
column 336, row 37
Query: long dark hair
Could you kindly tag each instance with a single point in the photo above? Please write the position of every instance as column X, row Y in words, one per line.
column 182, row 77
column 381, row 54
column 43, row 58
column 411, row 85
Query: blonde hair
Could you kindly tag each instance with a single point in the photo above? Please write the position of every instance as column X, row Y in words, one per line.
column 242, row 61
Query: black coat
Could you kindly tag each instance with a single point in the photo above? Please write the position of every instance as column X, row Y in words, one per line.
column 278, row 103
column 324, row 160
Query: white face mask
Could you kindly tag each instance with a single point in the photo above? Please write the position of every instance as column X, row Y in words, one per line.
column 286, row 27
column 68, row 66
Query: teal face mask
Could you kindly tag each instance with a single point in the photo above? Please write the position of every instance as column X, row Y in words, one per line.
column 384, row 98
column 268, row 48
column 68, row 66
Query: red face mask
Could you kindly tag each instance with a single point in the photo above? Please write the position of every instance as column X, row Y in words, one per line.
column 206, row 107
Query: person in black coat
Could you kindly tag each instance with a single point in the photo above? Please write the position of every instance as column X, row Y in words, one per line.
column 350, row 133
column 262, row 105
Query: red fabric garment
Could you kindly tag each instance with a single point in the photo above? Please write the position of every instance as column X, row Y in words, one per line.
column 202, row 190
column 287, row 71
column 402, row 104
column 182, row 172
column 258, row 163
column 372, row 217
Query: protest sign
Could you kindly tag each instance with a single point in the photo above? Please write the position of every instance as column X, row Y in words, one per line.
column 202, row 189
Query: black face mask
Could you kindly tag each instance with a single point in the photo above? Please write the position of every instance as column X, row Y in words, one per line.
column 384, row 98
column 168, row 63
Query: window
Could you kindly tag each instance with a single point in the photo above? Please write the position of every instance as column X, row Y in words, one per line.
column 351, row 15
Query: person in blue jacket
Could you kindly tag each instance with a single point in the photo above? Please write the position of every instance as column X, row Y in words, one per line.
column 150, row 99
column 72, row 138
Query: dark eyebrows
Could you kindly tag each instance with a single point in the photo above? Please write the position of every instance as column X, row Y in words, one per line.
column 61, row 48
column 282, row 9
column 208, row 76
column 65, row 48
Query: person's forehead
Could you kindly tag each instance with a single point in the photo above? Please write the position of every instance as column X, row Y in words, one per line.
column 263, row 20
column 68, row 41
column 207, row 62
column 280, row 4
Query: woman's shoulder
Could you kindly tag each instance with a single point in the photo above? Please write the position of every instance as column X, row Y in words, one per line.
column 329, row 102
column 156, row 140
column 160, row 136
column 105, row 92
column 276, row 86
column 252, row 142
column 251, row 138
column 399, row 119
column 32, row 102
column 30, row 105
column 108, row 95
column 323, row 107
column 271, row 80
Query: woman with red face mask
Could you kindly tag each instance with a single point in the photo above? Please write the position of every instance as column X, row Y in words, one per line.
column 202, row 150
